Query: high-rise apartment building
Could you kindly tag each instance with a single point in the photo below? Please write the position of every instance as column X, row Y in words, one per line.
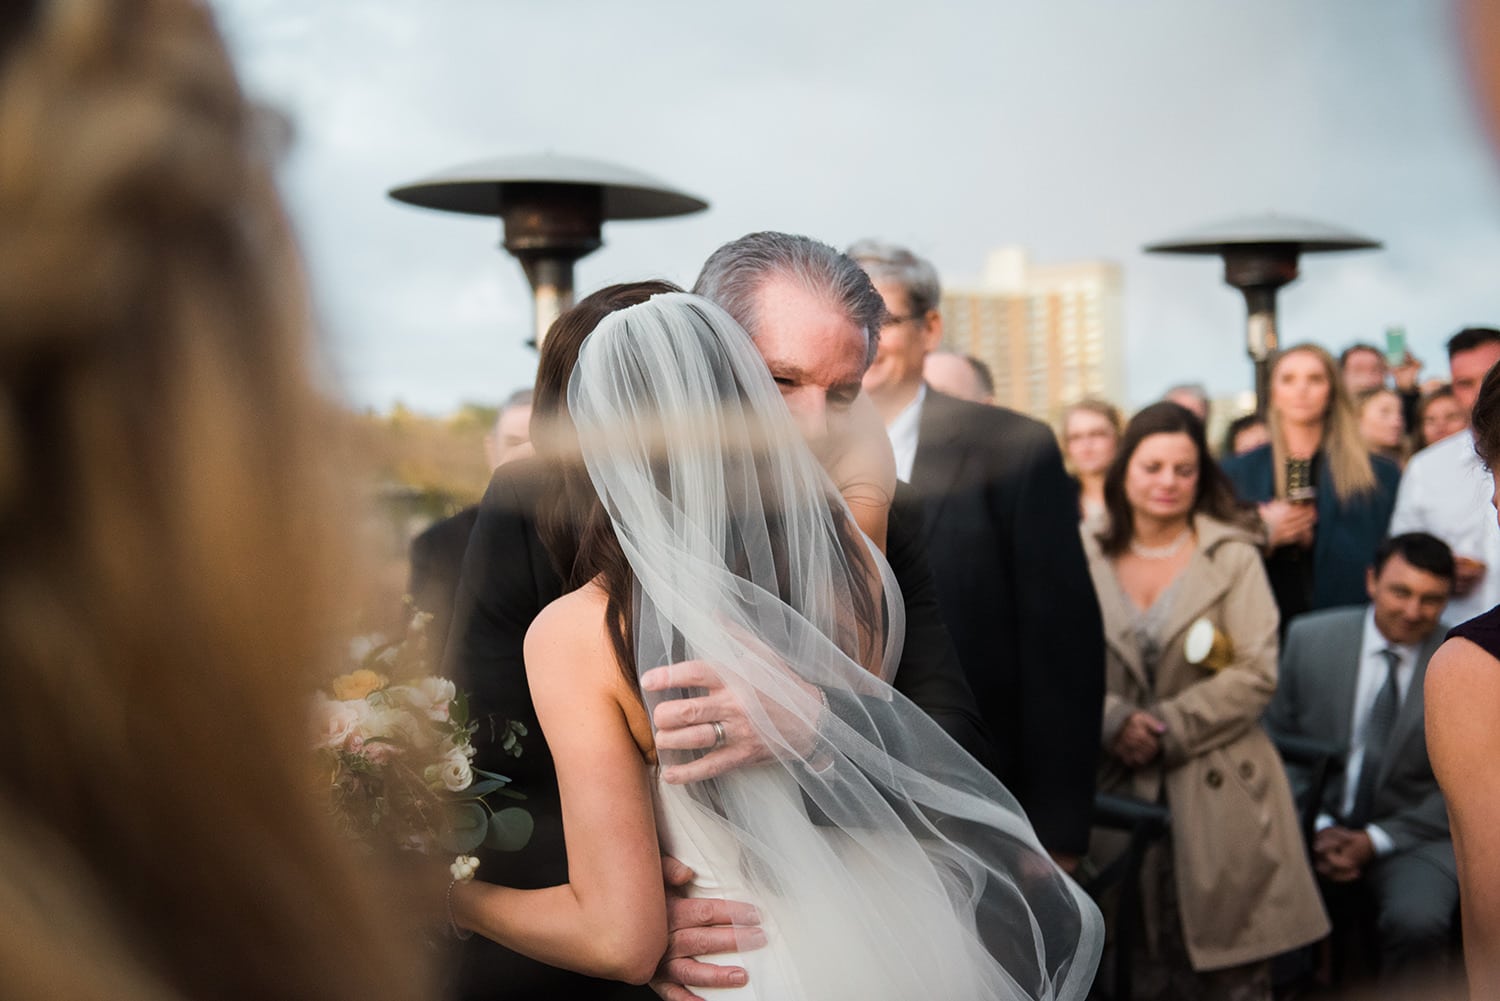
column 1052, row 333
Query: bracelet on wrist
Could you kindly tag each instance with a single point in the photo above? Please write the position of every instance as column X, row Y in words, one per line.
column 462, row 870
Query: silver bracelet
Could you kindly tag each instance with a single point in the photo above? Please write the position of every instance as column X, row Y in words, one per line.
column 453, row 929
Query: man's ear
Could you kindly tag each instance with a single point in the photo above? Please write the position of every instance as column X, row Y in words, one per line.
column 932, row 331
column 1370, row 582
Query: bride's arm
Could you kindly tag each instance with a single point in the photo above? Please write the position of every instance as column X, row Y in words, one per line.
column 609, row 920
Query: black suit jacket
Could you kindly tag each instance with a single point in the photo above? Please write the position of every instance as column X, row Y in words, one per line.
column 507, row 579
column 1003, row 542
column 437, row 559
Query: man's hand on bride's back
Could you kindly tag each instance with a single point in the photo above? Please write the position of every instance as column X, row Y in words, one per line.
column 698, row 926
column 688, row 724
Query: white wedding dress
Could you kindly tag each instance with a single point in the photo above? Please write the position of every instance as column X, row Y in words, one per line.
column 887, row 865
column 815, row 948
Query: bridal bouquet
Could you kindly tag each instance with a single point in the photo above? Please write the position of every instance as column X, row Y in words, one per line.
column 399, row 756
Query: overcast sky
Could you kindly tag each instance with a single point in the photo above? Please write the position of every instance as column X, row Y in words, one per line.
column 1077, row 129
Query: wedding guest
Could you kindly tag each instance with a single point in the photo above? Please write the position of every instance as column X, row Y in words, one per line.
column 1463, row 702
column 1230, row 882
column 1364, row 368
column 1353, row 676
column 1381, row 424
column 1192, row 397
column 1001, row 533
column 963, row 377
column 1446, row 489
column 437, row 553
column 1439, row 416
column 173, row 559
column 1090, row 438
column 1245, row 434
column 1324, row 500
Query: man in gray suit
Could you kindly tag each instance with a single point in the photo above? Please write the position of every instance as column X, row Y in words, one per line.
column 1354, row 676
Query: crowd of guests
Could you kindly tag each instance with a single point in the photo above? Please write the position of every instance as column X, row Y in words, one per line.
column 1367, row 506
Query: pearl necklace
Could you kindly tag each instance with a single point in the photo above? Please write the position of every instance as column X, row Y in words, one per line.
column 1165, row 552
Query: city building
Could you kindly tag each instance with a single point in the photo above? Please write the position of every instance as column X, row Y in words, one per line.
column 1051, row 334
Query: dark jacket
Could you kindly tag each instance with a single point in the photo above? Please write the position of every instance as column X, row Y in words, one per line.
column 437, row 559
column 1002, row 538
column 507, row 579
column 1348, row 533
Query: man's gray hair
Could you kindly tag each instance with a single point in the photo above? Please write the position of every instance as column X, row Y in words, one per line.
column 886, row 262
column 733, row 276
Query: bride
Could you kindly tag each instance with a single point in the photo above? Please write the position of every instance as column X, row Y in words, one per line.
column 884, row 861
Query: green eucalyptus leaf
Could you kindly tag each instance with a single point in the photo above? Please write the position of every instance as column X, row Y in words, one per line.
column 466, row 830
column 510, row 829
column 483, row 788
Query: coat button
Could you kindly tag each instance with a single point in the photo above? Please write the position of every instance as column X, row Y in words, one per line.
column 1247, row 770
column 1214, row 779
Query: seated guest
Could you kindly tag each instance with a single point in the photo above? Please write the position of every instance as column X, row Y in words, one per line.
column 1245, row 434
column 1354, row 676
column 1090, row 438
column 961, row 376
column 1229, row 887
column 1438, row 416
column 437, row 554
column 1324, row 500
column 1463, row 702
column 1382, row 425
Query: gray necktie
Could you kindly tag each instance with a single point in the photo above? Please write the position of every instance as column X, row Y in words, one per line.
column 1377, row 734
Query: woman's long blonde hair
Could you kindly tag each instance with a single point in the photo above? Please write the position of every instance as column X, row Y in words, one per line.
column 1342, row 444
column 166, row 545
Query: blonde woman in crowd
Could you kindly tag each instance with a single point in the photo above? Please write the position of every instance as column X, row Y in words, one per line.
column 165, row 591
column 1090, row 436
column 1324, row 500
column 1230, row 885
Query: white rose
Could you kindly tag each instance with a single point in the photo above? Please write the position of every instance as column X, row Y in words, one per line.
column 336, row 721
column 431, row 696
column 455, row 772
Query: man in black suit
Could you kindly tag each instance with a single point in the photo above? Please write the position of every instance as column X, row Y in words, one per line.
column 813, row 315
column 437, row 554
column 1002, row 538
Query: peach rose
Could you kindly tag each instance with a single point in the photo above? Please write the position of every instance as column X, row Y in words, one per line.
column 357, row 684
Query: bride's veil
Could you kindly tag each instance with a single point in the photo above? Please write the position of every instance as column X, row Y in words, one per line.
column 904, row 861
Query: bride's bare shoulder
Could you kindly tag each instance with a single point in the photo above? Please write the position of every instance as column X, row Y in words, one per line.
column 570, row 634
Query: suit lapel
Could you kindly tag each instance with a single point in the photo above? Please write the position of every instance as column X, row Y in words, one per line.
column 941, row 453
column 1333, row 665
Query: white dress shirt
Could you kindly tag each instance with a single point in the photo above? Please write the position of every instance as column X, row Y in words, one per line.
column 1372, row 675
column 1445, row 491
column 903, row 434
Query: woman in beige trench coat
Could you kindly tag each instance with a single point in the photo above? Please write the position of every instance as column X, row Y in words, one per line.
column 1232, row 886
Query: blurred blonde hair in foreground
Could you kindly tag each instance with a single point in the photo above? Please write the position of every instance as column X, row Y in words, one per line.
column 165, row 550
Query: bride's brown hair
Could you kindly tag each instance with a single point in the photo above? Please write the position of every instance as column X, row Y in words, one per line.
column 573, row 524
column 167, row 547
